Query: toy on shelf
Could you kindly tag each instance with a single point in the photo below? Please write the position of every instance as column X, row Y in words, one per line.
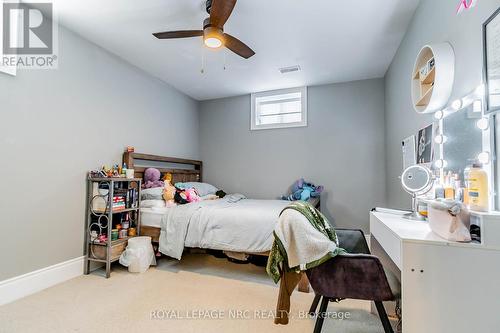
column 116, row 171
column 152, row 178
column 302, row 190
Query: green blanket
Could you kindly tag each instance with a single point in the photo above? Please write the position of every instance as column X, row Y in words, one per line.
column 278, row 261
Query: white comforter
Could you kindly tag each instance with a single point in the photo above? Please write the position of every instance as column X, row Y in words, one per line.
column 233, row 223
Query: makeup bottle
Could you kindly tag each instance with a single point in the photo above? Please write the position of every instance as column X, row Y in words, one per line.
column 438, row 189
column 478, row 188
column 449, row 191
column 470, row 162
column 459, row 190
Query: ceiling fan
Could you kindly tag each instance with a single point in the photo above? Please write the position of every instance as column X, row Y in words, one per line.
column 213, row 29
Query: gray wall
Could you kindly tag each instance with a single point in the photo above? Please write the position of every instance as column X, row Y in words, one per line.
column 57, row 124
column 342, row 148
column 434, row 22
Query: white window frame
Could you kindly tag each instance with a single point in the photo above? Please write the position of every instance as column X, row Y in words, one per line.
column 253, row 116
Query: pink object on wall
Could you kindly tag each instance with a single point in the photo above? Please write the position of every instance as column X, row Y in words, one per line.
column 465, row 4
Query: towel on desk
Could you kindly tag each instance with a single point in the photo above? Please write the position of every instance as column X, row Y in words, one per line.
column 303, row 239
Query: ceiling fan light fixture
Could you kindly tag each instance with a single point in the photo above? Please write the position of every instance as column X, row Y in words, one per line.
column 213, row 33
column 213, row 38
column 213, row 42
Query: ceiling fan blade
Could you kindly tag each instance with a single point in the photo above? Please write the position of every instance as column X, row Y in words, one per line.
column 178, row 34
column 220, row 11
column 237, row 46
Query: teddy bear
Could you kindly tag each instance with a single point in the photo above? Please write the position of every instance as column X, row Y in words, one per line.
column 169, row 190
column 302, row 190
column 152, row 178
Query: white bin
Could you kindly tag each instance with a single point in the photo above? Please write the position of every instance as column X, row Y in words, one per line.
column 138, row 255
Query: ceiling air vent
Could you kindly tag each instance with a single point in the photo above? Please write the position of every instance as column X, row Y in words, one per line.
column 290, row 69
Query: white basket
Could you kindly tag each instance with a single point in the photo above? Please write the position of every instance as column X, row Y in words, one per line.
column 138, row 255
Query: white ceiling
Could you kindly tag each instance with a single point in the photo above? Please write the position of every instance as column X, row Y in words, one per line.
column 331, row 40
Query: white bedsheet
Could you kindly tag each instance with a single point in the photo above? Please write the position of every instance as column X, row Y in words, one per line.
column 233, row 223
column 151, row 217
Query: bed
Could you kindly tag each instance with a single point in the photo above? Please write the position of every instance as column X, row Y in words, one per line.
column 234, row 224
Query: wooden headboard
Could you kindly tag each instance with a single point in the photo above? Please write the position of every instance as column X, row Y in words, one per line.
column 182, row 170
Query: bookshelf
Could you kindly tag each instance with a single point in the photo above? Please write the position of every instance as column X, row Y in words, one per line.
column 112, row 204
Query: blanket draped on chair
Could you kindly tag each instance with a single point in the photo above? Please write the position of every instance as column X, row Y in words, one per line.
column 303, row 239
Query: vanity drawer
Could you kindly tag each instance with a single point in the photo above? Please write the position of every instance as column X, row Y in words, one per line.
column 389, row 241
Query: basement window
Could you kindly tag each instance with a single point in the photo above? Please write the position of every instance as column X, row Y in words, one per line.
column 279, row 109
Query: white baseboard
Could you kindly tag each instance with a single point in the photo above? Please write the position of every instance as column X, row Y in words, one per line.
column 23, row 285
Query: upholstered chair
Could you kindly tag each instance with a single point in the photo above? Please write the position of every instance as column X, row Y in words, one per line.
column 355, row 275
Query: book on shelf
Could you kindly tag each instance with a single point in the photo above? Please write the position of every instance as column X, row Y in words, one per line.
column 123, row 198
column 118, row 202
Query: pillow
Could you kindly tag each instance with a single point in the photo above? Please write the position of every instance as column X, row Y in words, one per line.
column 203, row 189
column 152, row 203
column 155, row 193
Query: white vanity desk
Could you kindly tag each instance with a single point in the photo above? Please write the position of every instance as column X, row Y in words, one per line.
column 446, row 286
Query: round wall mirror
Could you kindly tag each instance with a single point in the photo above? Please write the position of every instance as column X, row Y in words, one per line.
column 416, row 180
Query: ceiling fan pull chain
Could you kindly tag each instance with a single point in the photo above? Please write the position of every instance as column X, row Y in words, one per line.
column 202, row 60
column 224, row 52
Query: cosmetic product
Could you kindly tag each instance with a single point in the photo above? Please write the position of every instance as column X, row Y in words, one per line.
column 470, row 162
column 449, row 191
column 123, row 233
column 422, row 209
column 114, row 234
column 459, row 191
column 438, row 189
column 478, row 188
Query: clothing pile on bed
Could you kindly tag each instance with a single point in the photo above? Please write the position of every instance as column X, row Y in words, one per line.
column 303, row 239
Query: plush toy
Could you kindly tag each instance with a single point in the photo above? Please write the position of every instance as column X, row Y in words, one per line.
column 152, row 178
column 186, row 196
column 192, row 195
column 301, row 190
column 169, row 190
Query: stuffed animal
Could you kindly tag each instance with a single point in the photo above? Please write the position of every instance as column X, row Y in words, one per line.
column 186, row 196
column 192, row 195
column 169, row 190
column 302, row 190
column 152, row 178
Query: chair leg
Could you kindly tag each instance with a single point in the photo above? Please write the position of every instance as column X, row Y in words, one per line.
column 314, row 304
column 383, row 317
column 321, row 315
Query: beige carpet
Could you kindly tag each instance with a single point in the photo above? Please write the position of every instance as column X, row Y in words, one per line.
column 171, row 298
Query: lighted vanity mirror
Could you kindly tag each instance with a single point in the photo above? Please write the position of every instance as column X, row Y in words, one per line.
column 462, row 139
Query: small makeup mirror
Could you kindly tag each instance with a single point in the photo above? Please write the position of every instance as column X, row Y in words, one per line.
column 416, row 180
column 463, row 139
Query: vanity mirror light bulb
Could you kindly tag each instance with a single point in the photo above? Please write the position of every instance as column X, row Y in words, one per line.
column 440, row 139
column 477, row 106
column 441, row 164
column 456, row 104
column 483, row 124
column 484, row 157
column 439, row 115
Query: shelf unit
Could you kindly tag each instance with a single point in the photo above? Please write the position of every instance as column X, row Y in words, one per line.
column 432, row 84
column 104, row 218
